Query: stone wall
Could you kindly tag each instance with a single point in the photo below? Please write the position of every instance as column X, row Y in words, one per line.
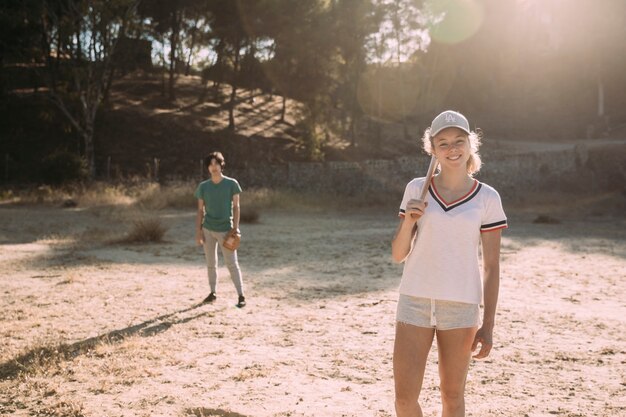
column 572, row 169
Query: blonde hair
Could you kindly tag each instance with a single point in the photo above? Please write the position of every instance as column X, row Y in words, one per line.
column 473, row 163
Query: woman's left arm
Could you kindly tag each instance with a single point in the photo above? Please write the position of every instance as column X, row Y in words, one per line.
column 491, row 286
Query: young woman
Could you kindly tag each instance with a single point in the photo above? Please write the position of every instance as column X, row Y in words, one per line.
column 441, row 289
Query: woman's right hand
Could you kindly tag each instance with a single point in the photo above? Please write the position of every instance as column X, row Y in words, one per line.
column 405, row 233
column 415, row 209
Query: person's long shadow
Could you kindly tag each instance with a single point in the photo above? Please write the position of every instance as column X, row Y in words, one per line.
column 211, row 412
column 43, row 355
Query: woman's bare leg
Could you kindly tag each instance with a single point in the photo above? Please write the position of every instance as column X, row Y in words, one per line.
column 410, row 353
column 454, row 348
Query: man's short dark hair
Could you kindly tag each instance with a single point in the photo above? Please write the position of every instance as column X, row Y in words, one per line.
column 217, row 156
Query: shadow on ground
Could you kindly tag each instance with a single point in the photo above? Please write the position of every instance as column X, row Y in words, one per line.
column 211, row 412
column 46, row 354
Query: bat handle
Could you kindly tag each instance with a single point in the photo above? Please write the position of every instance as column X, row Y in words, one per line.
column 427, row 179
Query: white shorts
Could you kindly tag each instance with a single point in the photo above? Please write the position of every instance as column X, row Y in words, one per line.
column 437, row 314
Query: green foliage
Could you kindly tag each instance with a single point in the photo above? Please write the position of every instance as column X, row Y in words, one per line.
column 62, row 166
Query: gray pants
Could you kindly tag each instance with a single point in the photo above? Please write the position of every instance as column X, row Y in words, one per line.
column 211, row 240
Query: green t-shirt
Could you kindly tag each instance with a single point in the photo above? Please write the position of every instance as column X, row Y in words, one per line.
column 218, row 203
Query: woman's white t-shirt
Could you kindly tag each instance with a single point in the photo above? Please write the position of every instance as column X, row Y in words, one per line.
column 444, row 261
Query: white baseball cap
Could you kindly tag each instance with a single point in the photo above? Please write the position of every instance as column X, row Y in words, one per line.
column 449, row 118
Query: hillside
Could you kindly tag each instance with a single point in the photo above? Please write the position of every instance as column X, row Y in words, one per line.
column 139, row 124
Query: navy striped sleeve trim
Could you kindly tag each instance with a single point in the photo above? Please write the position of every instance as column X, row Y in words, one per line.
column 493, row 226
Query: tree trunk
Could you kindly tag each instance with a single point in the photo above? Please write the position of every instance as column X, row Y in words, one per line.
column 233, row 92
column 173, row 47
column 352, row 130
column 45, row 44
column 216, row 90
column 202, row 96
column 108, row 83
column 231, row 107
column 193, row 41
column 354, row 106
column 89, row 150
column 283, row 109
column 220, row 72
column 79, row 50
column 162, row 67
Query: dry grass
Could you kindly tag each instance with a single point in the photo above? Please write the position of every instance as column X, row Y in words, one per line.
column 265, row 198
column 62, row 409
column 146, row 195
column 142, row 193
column 120, row 358
column 177, row 195
column 95, row 194
column 145, row 231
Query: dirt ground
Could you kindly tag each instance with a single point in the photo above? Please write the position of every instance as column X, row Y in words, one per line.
column 90, row 328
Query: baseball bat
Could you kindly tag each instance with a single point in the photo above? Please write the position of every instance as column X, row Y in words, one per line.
column 429, row 177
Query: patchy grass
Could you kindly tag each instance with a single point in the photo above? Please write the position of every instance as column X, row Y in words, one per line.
column 63, row 409
column 145, row 231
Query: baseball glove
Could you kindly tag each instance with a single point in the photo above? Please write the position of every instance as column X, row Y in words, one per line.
column 232, row 240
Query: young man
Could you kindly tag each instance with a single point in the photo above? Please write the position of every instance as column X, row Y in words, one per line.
column 216, row 219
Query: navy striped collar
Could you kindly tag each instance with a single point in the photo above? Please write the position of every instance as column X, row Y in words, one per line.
column 449, row 206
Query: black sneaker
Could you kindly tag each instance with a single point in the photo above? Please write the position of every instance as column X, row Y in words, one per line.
column 242, row 301
column 210, row 298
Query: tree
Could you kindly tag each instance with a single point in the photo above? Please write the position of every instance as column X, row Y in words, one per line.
column 306, row 66
column 237, row 25
column 167, row 19
column 355, row 22
column 193, row 23
column 19, row 40
column 78, row 38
